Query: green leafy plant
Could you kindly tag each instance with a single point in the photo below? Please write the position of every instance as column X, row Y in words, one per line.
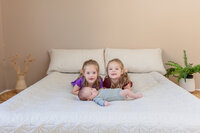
column 179, row 72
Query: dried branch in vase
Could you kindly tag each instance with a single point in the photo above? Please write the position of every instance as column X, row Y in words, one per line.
column 15, row 61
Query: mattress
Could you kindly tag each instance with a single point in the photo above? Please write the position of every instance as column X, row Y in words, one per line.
column 49, row 107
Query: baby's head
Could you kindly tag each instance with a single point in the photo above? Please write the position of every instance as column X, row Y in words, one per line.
column 87, row 93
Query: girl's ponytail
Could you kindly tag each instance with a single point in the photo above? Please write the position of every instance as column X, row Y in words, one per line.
column 124, row 79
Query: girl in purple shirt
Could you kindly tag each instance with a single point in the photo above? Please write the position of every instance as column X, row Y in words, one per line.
column 89, row 77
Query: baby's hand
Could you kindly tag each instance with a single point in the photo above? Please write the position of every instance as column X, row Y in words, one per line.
column 106, row 103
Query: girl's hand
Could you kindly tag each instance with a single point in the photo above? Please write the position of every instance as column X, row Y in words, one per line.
column 128, row 86
column 75, row 90
column 106, row 103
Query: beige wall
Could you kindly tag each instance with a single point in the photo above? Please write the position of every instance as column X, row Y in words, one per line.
column 35, row 26
column 2, row 51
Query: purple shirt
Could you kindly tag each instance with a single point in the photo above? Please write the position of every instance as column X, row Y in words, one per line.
column 79, row 83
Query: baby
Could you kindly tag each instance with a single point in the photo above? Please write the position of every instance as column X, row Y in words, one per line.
column 103, row 96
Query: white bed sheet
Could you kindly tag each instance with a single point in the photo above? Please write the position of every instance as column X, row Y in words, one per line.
column 48, row 106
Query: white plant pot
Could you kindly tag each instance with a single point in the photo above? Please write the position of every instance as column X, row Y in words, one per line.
column 189, row 85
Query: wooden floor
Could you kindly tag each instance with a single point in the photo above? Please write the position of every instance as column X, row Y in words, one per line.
column 196, row 93
column 7, row 95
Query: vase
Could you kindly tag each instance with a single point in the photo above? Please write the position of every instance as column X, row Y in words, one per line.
column 21, row 83
column 189, row 85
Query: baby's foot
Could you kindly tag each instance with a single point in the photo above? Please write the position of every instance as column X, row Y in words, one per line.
column 139, row 96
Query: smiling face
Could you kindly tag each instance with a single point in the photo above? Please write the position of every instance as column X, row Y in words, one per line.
column 90, row 73
column 114, row 70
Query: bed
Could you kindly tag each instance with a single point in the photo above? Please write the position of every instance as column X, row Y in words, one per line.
column 49, row 107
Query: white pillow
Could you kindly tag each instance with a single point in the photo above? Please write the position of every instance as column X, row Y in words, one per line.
column 71, row 60
column 138, row 60
column 142, row 81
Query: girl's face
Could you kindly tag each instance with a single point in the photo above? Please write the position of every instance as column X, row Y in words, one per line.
column 90, row 73
column 114, row 70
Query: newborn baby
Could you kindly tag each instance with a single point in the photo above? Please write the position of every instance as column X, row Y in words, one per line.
column 104, row 96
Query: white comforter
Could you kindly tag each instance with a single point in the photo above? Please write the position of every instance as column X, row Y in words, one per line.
column 48, row 106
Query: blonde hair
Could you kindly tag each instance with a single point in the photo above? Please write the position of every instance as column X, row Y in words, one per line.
column 98, row 80
column 124, row 79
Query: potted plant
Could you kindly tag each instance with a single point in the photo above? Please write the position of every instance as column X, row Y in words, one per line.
column 184, row 74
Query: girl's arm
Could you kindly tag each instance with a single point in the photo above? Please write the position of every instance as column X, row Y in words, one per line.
column 75, row 90
column 128, row 86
